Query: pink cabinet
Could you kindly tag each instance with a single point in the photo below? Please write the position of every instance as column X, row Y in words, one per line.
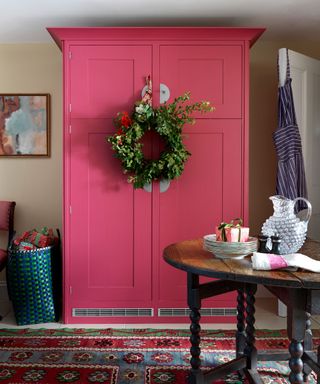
column 114, row 235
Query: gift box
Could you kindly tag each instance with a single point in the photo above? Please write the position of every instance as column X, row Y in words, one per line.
column 43, row 238
column 232, row 232
column 24, row 246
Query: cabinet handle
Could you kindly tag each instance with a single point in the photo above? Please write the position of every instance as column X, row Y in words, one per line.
column 148, row 187
column 164, row 185
column 164, row 92
column 144, row 90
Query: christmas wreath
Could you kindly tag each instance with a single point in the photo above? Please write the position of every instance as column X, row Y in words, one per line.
column 167, row 120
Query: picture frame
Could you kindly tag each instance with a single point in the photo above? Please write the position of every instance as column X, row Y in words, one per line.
column 24, row 125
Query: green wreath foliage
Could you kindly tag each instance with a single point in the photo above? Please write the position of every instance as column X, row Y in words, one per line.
column 168, row 121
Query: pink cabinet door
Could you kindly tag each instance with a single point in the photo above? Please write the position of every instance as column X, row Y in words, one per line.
column 209, row 72
column 109, row 226
column 103, row 78
column 211, row 187
column 209, row 191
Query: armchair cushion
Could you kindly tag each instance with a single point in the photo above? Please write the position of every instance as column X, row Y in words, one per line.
column 5, row 215
column 3, row 258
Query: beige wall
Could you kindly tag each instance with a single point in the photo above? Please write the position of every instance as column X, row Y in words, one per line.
column 36, row 184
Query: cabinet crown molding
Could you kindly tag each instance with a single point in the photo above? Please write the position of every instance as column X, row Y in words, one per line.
column 154, row 33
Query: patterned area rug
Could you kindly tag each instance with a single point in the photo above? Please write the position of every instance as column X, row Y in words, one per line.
column 125, row 356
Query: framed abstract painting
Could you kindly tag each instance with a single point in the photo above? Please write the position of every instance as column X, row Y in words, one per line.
column 24, row 125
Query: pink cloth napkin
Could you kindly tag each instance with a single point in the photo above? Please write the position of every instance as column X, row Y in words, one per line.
column 269, row 261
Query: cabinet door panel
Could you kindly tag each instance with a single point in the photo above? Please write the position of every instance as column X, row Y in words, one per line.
column 209, row 72
column 106, row 78
column 110, row 224
column 209, row 191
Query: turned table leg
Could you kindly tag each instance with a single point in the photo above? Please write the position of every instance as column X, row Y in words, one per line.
column 318, row 361
column 195, row 342
column 194, row 302
column 296, row 323
column 240, row 334
column 250, row 350
column 295, row 361
column 307, row 345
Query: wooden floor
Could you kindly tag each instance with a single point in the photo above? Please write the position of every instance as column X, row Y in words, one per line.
column 266, row 318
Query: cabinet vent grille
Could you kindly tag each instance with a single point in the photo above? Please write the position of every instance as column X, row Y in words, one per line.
column 176, row 312
column 112, row 312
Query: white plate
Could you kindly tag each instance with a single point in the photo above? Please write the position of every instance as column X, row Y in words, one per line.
column 229, row 250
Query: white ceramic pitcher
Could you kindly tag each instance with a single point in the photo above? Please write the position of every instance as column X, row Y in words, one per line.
column 286, row 224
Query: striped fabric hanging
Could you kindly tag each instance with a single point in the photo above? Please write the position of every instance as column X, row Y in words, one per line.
column 291, row 179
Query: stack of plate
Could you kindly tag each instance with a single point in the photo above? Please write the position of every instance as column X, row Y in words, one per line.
column 227, row 250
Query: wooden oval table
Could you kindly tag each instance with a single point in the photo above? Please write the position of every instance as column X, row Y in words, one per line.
column 299, row 290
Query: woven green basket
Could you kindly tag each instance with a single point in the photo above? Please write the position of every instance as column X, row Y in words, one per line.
column 30, row 289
